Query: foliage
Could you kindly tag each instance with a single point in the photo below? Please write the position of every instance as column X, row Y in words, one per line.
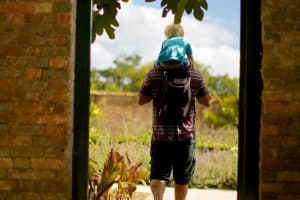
column 223, row 112
column 105, row 12
column 224, row 138
column 115, row 171
column 224, row 91
column 96, row 114
column 126, row 75
column 196, row 7
column 216, row 153
column 104, row 17
column 215, row 169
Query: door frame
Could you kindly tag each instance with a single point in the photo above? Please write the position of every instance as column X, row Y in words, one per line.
column 249, row 100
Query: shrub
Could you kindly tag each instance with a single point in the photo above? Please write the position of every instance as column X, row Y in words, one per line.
column 115, row 171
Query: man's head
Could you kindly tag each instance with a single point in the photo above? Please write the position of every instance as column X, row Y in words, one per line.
column 174, row 30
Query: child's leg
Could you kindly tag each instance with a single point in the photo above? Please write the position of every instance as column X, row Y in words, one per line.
column 186, row 64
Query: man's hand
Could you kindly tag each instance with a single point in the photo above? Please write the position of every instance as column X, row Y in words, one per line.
column 142, row 99
column 205, row 100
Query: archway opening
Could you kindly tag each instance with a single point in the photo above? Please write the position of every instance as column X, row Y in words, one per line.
column 249, row 104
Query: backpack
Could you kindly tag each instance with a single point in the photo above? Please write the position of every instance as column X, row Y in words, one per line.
column 176, row 96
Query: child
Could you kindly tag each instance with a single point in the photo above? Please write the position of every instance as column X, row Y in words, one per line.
column 174, row 49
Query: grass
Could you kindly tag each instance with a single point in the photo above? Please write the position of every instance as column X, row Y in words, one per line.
column 216, row 149
column 216, row 153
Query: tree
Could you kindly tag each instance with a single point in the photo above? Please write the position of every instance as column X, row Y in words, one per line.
column 126, row 75
column 224, row 89
column 105, row 12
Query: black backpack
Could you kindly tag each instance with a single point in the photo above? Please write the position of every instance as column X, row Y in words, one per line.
column 176, row 96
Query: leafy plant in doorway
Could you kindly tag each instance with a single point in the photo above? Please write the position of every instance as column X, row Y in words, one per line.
column 116, row 172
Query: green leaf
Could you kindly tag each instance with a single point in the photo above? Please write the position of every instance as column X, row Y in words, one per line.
column 163, row 3
column 110, row 32
column 109, row 10
column 179, row 12
column 198, row 13
column 93, row 37
column 114, row 22
column 203, row 4
column 189, row 6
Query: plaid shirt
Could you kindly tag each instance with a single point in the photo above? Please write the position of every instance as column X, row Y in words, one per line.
column 178, row 132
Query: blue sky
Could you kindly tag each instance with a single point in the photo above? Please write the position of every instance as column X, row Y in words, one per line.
column 227, row 11
column 215, row 40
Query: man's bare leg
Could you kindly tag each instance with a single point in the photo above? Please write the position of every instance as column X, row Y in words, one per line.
column 181, row 192
column 158, row 188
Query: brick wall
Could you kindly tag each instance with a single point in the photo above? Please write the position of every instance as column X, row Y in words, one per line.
column 280, row 132
column 119, row 107
column 35, row 99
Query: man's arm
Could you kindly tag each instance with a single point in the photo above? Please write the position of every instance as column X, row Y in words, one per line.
column 143, row 99
column 191, row 58
column 205, row 100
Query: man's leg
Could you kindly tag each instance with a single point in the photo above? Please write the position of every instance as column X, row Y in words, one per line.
column 183, row 168
column 181, row 192
column 158, row 188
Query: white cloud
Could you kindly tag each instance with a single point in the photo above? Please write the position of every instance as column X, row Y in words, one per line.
column 141, row 31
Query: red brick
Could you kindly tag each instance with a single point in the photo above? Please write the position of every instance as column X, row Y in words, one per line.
column 281, row 107
column 40, row 19
column 42, row 163
column 54, row 119
column 23, row 140
column 288, row 197
column 269, row 158
column 16, row 7
column 272, row 187
column 5, row 107
column 4, row 130
column 28, row 130
column 7, row 117
column 56, row 74
column 31, row 74
column 15, row 18
column 23, row 163
column 58, row 40
column 55, row 130
column 6, row 85
column 289, row 176
column 30, row 107
column 292, row 188
column 6, row 185
column 4, row 151
column 58, row 142
column 291, row 141
column 64, row 18
column 6, row 163
column 35, row 151
column 30, row 174
column 32, row 51
column 58, row 62
column 43, row 7
column 59, row 85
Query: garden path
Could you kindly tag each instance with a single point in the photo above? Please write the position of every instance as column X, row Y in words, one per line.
column 144, row 193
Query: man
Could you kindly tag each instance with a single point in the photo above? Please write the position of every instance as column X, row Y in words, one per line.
column 172, row 146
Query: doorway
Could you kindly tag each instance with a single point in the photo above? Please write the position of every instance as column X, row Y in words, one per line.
column 249, row 108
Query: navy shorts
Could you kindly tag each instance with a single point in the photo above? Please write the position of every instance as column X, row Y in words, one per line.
column 176, row 156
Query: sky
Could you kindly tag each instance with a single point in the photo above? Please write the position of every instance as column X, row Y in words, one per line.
column 214, row 40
